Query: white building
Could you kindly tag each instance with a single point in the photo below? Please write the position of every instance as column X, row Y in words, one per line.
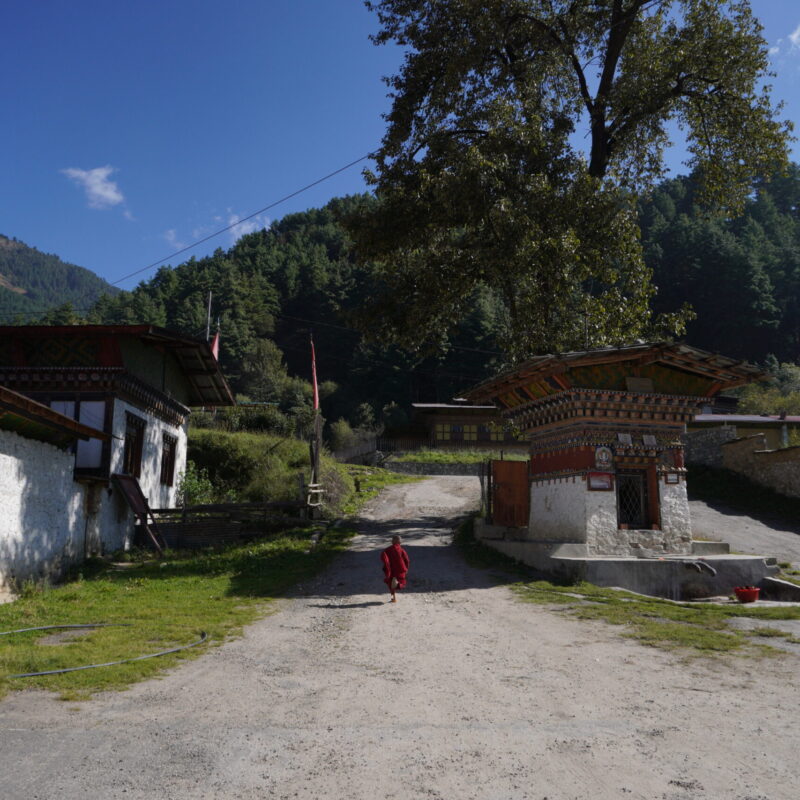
column 133, row 384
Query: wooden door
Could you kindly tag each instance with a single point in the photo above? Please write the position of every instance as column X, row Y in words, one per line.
column 510, row 493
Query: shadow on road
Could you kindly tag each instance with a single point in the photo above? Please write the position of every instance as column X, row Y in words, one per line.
column 436, row 565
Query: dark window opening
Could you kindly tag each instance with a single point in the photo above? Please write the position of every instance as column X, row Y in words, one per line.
column 134, row 444
column 632, row 500
column 168, row 451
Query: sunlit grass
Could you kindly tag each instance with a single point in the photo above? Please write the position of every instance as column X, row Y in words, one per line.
column 163, row 604
column 444, row 456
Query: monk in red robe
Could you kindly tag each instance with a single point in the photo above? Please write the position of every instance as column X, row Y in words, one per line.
column 395, row 567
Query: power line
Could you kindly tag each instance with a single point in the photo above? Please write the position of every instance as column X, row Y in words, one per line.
column 77, row 300
column 239, row 221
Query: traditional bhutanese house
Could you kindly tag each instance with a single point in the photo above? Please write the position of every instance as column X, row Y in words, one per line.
column 136, row 384
column 43, row 523
column 606, row 467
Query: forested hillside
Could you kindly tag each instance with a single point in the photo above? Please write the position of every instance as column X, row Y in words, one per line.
column 275, row 287
column 741, row 275
column 280, row 285
column 32, row 281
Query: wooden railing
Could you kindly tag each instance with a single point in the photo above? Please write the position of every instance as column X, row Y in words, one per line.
column 224, row 523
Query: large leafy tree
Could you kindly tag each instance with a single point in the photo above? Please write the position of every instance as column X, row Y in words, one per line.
column 520, row 136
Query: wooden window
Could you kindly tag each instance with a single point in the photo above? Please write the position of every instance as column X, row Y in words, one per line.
column 470, row 433
column 457, row 433
column 134, row 445
column 169, row 448
column 442, row 431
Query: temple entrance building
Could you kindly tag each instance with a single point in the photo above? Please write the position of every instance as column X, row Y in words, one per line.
column 606, row 472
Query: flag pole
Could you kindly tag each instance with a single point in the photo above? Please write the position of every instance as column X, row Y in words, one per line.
column 317, row 434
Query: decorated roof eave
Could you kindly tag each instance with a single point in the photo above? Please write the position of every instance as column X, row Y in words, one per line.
column 724, row 372
column 194, row 355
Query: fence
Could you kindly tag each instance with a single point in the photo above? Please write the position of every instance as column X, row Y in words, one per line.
column 225, row 523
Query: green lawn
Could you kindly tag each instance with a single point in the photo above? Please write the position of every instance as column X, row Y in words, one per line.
column 444, row 456
column 163, row 604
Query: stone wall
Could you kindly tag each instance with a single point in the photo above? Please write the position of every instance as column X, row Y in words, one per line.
column 42, row 524
column 704, row 446
column 776, row 469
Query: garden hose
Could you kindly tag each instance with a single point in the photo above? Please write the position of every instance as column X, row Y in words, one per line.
column 203, row 638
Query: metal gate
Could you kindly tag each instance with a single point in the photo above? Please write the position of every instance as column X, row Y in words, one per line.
column 632, row 505
column 510, row 493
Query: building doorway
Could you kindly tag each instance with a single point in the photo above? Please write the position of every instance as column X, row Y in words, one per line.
column 633, row 503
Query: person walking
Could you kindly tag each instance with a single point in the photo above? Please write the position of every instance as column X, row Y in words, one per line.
column 395, row 567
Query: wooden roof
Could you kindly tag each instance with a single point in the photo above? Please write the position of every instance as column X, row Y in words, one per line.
column 28, row 418
column 208, row 385
column 706, row 373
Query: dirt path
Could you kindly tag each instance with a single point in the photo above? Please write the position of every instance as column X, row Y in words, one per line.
column 457, row 692
column 746, row 534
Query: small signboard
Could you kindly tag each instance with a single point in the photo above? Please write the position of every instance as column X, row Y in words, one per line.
column 625, row 438
column 672, row 477
column 600, row 481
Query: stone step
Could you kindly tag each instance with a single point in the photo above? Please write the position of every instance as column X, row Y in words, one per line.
column 710, row 548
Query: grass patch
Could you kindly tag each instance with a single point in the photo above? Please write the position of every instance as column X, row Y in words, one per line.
column 700, row 628
column 370, row 481
column 164, row 603
column 259, row 467
column 457, row 456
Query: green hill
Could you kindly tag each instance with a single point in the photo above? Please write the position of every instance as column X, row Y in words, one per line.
column 31, row 282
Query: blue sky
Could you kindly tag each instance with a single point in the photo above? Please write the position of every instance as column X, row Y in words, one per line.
column 132, row 129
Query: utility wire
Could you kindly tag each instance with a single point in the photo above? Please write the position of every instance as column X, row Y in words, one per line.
column 75, row 301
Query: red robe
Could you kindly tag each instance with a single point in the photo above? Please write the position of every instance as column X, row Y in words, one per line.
column 395, row 565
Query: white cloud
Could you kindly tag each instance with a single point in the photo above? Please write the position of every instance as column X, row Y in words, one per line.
column 100, row 191
column 171, row 237
column 794, row 38
column 240, row 229
column 773, row 51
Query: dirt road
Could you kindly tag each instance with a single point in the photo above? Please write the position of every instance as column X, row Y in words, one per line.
column 459, row 691
column 746, row 534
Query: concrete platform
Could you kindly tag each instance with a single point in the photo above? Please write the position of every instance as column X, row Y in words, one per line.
column 681, row 577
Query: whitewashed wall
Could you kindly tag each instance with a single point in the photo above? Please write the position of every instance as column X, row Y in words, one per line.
column 558, row 510
column 564, row 510
column 112, row 525
column 42, row 522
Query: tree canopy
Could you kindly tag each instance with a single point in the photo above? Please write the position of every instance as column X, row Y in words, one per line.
column 522, row 133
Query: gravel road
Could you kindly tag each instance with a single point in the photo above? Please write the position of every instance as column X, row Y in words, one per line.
column 746, row 534
column 456, row 692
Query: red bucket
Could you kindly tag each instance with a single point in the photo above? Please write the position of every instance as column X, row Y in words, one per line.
column 746, row 594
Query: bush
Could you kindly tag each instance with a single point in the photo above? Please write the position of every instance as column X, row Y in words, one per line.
column 341, row 435
column 257, row 467
column 194, row 486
